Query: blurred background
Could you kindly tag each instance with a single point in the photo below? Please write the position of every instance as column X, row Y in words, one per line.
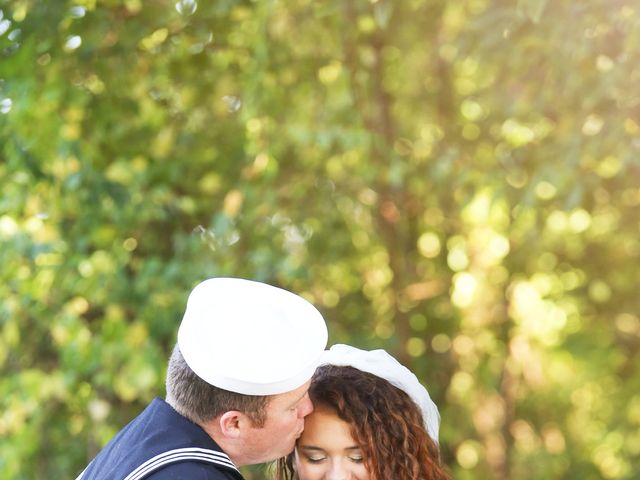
column 457, row 182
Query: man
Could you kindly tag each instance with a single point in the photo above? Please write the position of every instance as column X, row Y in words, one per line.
column 236, row 388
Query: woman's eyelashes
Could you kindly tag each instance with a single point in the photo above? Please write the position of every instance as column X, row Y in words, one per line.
column 354, row 457
column 313, row 455
column 314, row 459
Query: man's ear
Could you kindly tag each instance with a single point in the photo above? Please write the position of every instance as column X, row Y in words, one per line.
column 231, row 423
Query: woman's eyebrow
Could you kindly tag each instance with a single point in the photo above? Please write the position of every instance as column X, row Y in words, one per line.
column 311, row 447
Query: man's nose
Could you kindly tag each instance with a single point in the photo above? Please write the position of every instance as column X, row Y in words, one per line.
column 305, row 408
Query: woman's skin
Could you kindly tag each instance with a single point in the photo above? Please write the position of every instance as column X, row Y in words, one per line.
column 327, row 451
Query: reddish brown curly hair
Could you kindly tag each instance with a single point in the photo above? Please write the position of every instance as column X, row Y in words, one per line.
column 385, row 422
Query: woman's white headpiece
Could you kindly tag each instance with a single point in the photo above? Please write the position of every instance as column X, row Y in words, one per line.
column 383, row 365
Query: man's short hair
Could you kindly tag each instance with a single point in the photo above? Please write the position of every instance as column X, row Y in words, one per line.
column 201, row 402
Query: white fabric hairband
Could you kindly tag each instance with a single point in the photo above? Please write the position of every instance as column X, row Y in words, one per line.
column 383, row 365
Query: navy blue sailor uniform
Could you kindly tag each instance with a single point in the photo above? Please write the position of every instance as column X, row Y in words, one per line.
column 161, row 444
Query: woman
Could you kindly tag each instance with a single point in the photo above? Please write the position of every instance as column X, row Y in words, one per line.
column 372, row 420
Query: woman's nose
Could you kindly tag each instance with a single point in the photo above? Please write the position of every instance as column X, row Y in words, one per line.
column 337, row 471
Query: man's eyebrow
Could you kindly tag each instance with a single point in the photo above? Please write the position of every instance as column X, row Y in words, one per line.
column 298, row 400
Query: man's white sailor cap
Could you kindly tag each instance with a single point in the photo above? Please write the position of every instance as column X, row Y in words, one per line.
column 249, row 337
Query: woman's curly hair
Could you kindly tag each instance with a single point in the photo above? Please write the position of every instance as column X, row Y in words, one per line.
column 385, row 422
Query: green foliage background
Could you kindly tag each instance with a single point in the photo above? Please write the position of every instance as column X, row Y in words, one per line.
column 455, row 181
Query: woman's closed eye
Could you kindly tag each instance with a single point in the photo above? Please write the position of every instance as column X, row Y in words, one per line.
column 320, row 457
column 314, row 458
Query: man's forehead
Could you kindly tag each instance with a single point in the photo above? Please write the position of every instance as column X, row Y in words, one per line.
column 291, row 397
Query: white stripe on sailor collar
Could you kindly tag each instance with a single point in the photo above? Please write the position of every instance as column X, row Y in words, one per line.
column 179, row 455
